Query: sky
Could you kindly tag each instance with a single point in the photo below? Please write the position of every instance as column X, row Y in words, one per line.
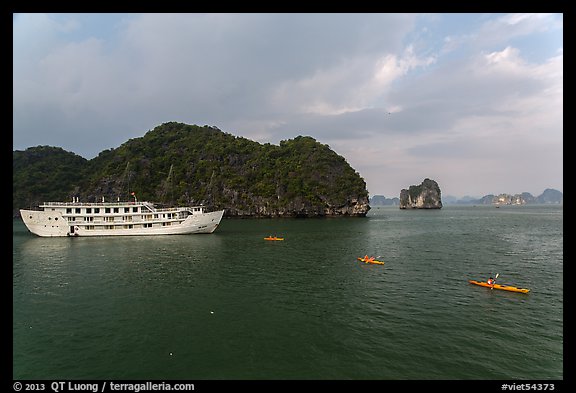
column 473, row 101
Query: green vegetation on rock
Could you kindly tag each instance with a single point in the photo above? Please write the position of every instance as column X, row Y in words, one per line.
column 50, row 172
column 177, row 163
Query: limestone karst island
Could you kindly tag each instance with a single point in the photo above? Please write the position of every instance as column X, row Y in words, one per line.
column 427, row 195
column 178, row 163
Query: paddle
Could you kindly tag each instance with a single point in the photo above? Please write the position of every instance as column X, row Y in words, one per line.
column 497, row 274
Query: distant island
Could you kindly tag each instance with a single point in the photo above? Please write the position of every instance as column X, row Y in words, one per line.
column 381, row 200
column 181, row 164
column 427, row 195
column 548, row 197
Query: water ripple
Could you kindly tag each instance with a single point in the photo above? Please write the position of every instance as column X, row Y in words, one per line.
column 232, row 306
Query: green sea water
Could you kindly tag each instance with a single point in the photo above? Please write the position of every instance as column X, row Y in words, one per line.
column 232, row 306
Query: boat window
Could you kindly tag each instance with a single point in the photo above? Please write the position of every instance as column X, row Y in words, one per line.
column 107, row 210
column 135, row 209
column 126, row 210
column 88, row 210
column 68, row 210
column 116, row 210
column 96, row 210
column 77, row 210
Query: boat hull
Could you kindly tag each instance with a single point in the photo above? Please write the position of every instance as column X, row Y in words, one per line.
column 374, row 262
column 498, row 286
column 54, row 224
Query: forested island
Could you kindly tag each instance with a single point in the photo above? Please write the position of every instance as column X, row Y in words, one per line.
column 183, row 164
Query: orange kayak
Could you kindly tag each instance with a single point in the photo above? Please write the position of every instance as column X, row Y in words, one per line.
column 498, row 286
column 273, row 238
column 371, row 261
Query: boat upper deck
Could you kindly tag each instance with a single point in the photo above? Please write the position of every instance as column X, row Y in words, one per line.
column 116, row 205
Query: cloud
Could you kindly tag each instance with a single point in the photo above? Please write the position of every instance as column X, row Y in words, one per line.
column 400, row 94
column 493, row 118
column 497, row 115
column 352, row 85
column 199, row 68
column 510, row 26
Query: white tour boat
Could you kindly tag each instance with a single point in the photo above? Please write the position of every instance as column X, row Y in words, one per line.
column 117, row 219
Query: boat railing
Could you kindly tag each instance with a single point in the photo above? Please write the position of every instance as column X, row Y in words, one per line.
column 168, row 209
column 192, row 209
column 102, row 204
column 149, row 205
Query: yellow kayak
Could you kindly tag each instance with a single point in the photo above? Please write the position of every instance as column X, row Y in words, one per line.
column 375, row 262
column 273, row 238
column 498, row 286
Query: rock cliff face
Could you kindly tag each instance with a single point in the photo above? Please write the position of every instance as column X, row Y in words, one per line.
column 425, row 196
column 354, row 207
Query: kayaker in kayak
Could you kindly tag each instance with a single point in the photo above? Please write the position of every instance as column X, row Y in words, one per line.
column 491, row 281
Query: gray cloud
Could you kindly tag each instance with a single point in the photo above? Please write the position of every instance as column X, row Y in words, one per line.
column 368, row 85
